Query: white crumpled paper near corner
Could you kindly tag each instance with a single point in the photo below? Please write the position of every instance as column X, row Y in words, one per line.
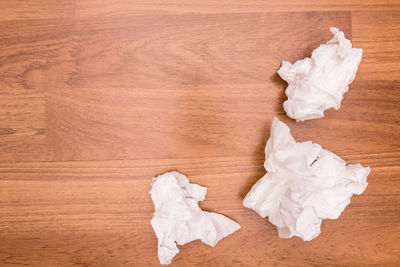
column 178, row 219
column 304, row 184
column 318, row 83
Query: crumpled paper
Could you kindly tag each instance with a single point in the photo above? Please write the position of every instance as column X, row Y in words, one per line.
column 178, row 219
column 318, row 83
column 304, row 185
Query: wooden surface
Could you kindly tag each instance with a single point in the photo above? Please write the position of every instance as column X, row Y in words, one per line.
column 97, row 98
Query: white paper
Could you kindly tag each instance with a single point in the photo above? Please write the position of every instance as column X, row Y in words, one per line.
column 303, row 185
column 318, row 83
column 178, row 219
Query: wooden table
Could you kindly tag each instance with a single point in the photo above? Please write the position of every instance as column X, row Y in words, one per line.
column 97, row 97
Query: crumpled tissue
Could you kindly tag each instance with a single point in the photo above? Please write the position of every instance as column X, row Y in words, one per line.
column 304, row 184
column 318, row 83
column 178, row 219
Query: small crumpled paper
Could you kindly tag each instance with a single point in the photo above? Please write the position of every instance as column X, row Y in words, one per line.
column 304, row 185
column 178, row 219
column 318, row 83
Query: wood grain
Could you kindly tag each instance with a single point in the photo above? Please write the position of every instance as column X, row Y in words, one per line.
column 97, row 99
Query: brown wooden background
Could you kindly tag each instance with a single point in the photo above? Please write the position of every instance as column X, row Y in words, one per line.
column 97, row 97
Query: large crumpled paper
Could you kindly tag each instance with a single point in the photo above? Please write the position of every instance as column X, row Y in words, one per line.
column 304, row 185
column 178, row 219
column 318, row 83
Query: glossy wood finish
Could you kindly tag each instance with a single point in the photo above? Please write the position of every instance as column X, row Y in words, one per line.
column 96, row 99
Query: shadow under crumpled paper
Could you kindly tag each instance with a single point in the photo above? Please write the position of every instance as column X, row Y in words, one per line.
column 279, row 111
column 280, row 114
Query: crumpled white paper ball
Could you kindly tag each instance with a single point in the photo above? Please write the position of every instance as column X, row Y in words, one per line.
column 304, row 184
column 318, row 83
column 178, row 219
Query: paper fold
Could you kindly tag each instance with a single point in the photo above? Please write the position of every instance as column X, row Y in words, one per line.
column 304, row 184
column 318, row 83
column 178, row 219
